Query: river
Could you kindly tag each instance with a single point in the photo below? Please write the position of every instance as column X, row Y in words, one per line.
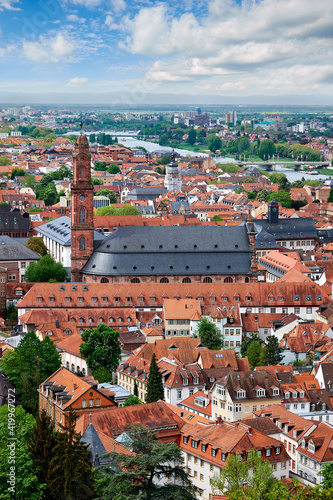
column 129, row 140
column 292, row 175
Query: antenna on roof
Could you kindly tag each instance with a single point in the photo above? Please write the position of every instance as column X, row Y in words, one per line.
column 81, row 125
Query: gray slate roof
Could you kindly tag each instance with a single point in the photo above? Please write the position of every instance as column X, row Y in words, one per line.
column 95, row 447
column 172, row 251
column 13, row 251
column 288, row 229
column 59, row 230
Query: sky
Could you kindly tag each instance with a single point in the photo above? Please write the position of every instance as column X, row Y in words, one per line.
column 192, row 47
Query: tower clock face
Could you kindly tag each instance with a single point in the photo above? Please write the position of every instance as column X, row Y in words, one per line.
column 274, row 209
column 82, row 198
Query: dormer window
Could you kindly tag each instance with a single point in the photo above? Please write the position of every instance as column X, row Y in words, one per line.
column 301, row 394
column 185, row 439
column 268, row 452
column 277, row 450
column 241, row 394
column 276, row 391
column 260, row 393
column 311, row 447
column 195, row 380
column 294, row 394
column 220, row 389
column 287, row 395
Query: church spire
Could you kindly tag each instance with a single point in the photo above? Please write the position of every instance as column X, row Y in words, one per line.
column 82, row 224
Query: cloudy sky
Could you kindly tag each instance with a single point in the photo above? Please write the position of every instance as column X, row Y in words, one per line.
column 218, row 47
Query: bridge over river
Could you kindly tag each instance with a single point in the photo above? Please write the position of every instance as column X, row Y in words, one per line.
column 298, row 165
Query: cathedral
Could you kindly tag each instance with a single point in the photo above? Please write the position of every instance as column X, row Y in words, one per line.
column 190, row 254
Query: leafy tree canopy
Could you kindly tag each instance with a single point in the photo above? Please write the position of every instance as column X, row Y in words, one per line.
column 144, row 474
column 209, row 335
column 29, row 365
column 132, row 400
column 110, row 194
column 101, row 347
column 111, row 210
column 266, row 149
column 4, row 161
column 37, row 245
column 19, row 425
column 44, row 270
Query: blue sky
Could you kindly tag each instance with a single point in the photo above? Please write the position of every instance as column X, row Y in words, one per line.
column 218, row 47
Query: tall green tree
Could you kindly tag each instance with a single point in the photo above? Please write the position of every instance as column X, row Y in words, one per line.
column 266, row 149
column 253, row 353
column 28, row 366
column 70, row 472
column 132, row 400
column 143, row 475
column 273, row 351
column 192, row 136
column 327, row 475
column 18, row 478
column 101, row 347
column 155, row 390
column 214, row 143
column 41, row 444
column 209, row 335
column 44, row 270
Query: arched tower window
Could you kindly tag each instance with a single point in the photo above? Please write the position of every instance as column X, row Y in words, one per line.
column 82, row 243
column 135, row 280
column 164, row 280
column 247, row 280
column 104, row 280
column 208, row 280
column 228, row 280
column 82, row 215
column 81, row 171
column 186, row 280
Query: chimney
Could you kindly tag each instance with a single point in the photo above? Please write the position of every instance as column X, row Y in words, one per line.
column 57, row 323
column 74, row 387
column 218, row 421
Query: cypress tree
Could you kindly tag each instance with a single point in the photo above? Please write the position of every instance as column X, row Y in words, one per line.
column 41, row 445
column 135, row 391
column 70, row 473
column 155, row 390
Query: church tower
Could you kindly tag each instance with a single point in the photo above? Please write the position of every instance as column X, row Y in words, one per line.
column 273, row 212
column 82, row 223
column 172, row 180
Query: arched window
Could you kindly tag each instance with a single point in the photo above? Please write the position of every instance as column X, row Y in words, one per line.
column 186, row 280
column 120, row 319
column 82, row 215
column 81, row 171
column 67, row 365
column 164, row 280
column 228, row 280
column 129, row 319
column 111, row 320
column 101, row 320
column 104, row 280
column 73, row 367
column 81, row 320
column 247, row 280
column 90, row 320
column 82, row 243
column 84, row 372
column 135, row 280
column 208, row 280
column 78, row 369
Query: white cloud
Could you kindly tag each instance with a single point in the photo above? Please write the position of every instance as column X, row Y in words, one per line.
column 87, row 3
column 237, row 46
column 62, row 47
column 109, row 21
column 76, row 82
column 48, row 50
column 8, row 5
column 73, row 18
column 118, row 5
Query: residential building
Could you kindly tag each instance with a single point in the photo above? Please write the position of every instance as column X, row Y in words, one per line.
column 238, row 394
